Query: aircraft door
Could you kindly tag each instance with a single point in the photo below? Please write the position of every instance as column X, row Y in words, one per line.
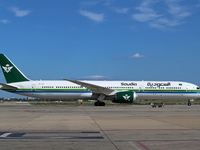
column 188, row 89
column 33, row 87
column 141, row 87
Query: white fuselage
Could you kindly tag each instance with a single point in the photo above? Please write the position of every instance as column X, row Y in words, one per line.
column 65, row 90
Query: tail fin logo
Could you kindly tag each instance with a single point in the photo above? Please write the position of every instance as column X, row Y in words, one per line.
column 7, row 68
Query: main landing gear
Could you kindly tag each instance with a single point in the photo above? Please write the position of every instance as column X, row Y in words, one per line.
column 100, row 100
column 98, row 103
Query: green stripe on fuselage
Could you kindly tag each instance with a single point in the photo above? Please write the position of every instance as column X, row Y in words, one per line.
column 136, row 90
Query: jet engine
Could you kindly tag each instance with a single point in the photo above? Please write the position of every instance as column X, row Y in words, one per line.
column 125, row 97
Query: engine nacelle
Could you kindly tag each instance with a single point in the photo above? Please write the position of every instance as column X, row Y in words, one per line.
column 125, row 97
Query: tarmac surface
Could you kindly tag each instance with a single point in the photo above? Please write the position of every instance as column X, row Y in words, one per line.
column 24, row 126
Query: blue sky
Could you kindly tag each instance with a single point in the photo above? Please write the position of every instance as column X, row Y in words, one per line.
column 102, row 39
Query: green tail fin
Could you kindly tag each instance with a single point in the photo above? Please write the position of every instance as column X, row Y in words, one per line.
column 11, row 72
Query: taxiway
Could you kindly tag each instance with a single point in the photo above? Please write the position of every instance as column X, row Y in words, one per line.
column 25, row 126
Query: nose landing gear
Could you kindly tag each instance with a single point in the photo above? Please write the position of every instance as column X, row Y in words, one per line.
column 189, row 102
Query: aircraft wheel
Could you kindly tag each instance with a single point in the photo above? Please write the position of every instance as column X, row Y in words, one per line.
column 189, row 103
column 102, row 104
column 99, row 104
column 96, row 104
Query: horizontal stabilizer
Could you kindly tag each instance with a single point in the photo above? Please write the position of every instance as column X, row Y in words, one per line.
column 5, row 86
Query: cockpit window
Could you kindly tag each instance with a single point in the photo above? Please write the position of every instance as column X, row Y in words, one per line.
column 198, row 88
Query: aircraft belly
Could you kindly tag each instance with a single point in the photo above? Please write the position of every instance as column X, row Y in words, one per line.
column 64, row 96
column 167, row 96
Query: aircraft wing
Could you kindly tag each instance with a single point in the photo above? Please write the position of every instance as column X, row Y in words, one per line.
column 94, row 88
column 5, row 86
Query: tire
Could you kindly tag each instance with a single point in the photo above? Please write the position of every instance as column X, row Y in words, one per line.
column 102, row 104
column 96, row 104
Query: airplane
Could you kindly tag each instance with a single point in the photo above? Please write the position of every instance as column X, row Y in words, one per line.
column 116, row 91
